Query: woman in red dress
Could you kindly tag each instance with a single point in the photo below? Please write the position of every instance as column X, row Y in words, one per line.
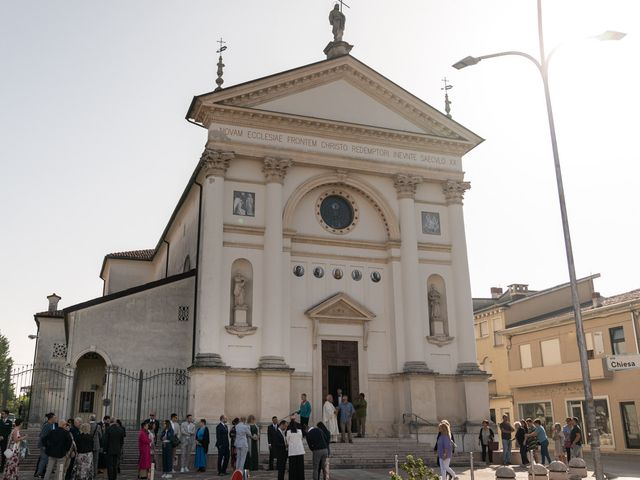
column 144, row 448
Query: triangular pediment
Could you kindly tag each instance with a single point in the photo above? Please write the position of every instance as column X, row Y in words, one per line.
column 340, row 307
column 343, row 90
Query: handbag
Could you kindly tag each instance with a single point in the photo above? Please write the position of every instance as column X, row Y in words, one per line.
column 9, row 452
column 175, row 441
column 493, row 446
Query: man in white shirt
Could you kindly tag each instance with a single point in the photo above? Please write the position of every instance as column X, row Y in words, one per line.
column 175, row 426
column 187, row 438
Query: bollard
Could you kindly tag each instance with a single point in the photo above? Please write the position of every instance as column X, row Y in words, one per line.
column 577, row 466
column 506, row 473
column 396, row 464
column 471, row 465
column 558, row 471
column 538, row 472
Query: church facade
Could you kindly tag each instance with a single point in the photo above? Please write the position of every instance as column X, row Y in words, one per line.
column 319, row 244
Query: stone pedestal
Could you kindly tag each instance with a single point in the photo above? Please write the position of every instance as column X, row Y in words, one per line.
column 208, row 389
column 240, row 316
column 476, row 392
column 418, row 395
column 273, row 394
column 337, row 49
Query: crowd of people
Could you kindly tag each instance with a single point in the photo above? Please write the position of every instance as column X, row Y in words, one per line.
column 533, row 440
column 77, row 450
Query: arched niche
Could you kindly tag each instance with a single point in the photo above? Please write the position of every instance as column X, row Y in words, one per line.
column 186, row 266
column 437, row 311
column 241, row 298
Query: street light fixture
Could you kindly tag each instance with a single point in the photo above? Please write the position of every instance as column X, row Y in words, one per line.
column 32, row 337
column 543, row 67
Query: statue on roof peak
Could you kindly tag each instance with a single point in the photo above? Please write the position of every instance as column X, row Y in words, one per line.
column 337, row 20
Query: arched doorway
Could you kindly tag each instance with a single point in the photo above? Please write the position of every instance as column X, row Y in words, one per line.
column 90, row 383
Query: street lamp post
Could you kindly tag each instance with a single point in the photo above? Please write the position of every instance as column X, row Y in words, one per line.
column 543, row 68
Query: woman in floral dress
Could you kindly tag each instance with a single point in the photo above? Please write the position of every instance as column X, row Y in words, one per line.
column 83, row 465
column 11, row 471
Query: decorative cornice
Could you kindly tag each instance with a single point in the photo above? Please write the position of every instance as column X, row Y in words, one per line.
column 454, row 191
column 440, row 340
column 240, row 330
column 333, row 129
column 215, row 162
column 406, row 185
column 275, row 169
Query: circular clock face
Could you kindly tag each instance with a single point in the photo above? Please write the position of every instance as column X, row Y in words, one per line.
column 336, row 212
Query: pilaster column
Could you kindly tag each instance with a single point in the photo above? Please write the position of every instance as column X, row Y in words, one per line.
column 454, row 193
column 210, row 321
column 272, row 357
column 413, row 328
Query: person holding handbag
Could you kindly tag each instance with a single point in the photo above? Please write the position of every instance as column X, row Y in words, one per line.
column 16, row 452
column 444, row 446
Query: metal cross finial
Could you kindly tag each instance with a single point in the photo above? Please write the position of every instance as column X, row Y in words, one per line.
column 447, row 102
column 341, row 2
column 222, row 48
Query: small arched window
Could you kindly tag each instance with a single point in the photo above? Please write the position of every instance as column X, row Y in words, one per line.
column 187, row 264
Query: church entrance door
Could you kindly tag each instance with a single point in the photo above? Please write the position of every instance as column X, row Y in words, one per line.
column 340, row 367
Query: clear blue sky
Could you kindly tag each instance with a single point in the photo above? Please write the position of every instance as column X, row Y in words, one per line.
column 95, row 150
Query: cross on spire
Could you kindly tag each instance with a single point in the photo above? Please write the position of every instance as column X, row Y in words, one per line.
column 222, row 48
column 447, row 102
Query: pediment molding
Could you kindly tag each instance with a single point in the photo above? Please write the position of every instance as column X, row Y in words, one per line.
column 340, row 308
column 359, row 75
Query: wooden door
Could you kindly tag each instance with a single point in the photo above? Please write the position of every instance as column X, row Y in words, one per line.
column 344, row 355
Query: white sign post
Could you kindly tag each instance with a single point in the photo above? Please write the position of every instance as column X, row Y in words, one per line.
column 622, row 362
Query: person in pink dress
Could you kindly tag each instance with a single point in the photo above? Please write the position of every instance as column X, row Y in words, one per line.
column 144, row 448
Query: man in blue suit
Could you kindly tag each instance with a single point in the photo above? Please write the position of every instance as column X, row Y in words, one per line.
column 222, row 444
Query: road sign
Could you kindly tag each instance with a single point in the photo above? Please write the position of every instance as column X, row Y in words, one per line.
column 622, row 362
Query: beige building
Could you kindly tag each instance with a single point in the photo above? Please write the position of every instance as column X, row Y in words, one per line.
column 319, row 244
column 526, row 340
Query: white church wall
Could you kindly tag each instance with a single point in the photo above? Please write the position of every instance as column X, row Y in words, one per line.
column 183, row 234
column 124, row 274
column 120, row 328
column 241, row 395
column 50, row 333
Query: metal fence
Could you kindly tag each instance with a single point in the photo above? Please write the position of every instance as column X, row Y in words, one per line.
column 30, row 392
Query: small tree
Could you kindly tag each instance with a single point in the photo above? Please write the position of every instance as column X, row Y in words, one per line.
column 6, row 362
column 415, row 470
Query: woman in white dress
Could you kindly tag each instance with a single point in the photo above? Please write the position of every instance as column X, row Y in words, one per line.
column 329, row 417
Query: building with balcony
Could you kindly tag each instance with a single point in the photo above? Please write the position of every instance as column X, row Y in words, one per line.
column 526, row 341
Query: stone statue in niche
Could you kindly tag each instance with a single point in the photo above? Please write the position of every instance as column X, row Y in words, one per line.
column 239, row 287
column 436, row 319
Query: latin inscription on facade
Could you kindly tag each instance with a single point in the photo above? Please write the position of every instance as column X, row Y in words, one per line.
column 306, row 143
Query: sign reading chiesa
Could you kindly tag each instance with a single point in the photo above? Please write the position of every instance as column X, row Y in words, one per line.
column 622, row 362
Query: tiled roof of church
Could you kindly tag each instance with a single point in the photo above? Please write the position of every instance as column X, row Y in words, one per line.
column 133, row 255
column 621, row 298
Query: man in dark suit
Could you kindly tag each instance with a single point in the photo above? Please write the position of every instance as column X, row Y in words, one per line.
column 113, row 441
column 154, row 425
column 5, row 433
column 222, row 444
column 272, row 431
column 279, row 447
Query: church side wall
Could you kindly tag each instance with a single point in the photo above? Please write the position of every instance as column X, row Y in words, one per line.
column 123, row 274
column 183, row 235
column 139, row 331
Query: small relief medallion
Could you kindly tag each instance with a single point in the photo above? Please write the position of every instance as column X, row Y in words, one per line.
column 431, row 223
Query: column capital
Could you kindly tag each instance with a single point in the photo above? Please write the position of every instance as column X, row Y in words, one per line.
column 406, row 185
column 215, row 162
column 275, row 169
column 454, row 191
